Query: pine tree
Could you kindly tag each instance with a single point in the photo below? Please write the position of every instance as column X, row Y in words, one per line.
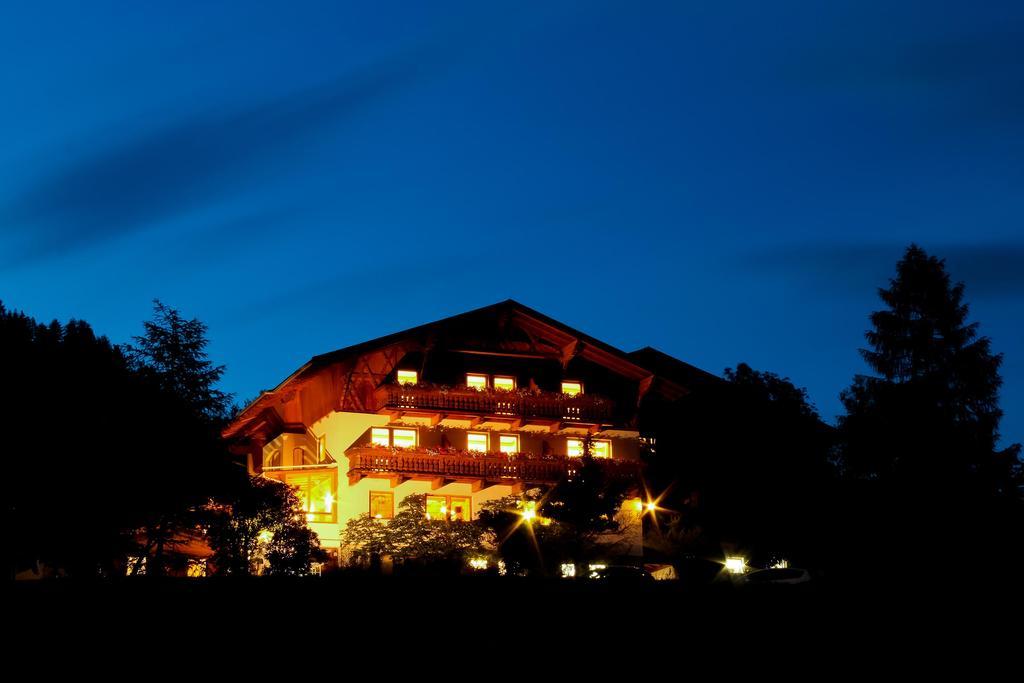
column 930, row 417
column 174, row 350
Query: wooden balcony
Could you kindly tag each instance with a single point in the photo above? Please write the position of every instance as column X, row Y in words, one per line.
column 480, row 470
column 585, row 408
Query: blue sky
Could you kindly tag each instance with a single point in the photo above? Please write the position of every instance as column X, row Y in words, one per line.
column 727, row 183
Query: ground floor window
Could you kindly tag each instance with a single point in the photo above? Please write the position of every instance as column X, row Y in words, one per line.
column 382, row 504
column 456, row 508
column 317, row 491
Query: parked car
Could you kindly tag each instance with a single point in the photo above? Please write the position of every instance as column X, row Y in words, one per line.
column 788, row 576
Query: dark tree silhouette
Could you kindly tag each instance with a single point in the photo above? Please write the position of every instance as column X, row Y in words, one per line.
column 261, row 528
column 740, row 464
column 96, row 468
column 173, row 349
column 920, row 438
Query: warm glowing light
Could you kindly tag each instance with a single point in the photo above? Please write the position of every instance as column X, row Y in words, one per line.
column 505, row 383
column 408, row 377
column 574, row 448
column 601, row 448
column 266, row 536
column 781, row 563
column 476, row 442
column 651, row 506
column 328, row 501
column 403, row 438
column 529, row 511
column 380, row 516
column 638, row 505
column 735, row 565
column 568, row 570
column 478, row 563
column 474, row 381
column 380, row 436
column 572, row 388
column 508, row 443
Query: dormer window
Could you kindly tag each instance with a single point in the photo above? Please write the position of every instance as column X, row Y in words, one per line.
column 408, row 377
column 475, row 381
column 572, row 388
column 504, row 383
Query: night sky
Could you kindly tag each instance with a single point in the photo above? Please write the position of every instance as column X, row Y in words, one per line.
column 726, row 184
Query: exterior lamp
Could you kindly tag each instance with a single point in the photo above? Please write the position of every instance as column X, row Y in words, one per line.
column 638, row 505
column 735, row 565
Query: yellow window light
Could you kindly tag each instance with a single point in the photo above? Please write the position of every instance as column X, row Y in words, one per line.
column 380, row 436
column 601, row 448
column 508, row 443
column 403, row 438
column 408, row 377
column 476, row 442
column 574, row 448
column 572, row 388
column 504, row 383
column 735, row 565
column 475, row 381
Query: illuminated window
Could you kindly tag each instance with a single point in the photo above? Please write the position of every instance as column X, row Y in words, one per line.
column 572, row 388
column 455, row 508
column 458, row 507
column 508, row 443
column 476, row 381
column 382, row 504
column 599, row 448
column 437, row 507
column 403, row 438
column 504, row 383
column 476, row 442
column 408, row 377
column 380, row 436
column 195, row 568
column 317, row 493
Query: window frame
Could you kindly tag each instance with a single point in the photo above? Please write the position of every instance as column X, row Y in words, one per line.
column 580, row 440
column 495, row 378
column 519, row 444
column 487, row 442
column 391, row 436
column 447, row 498
column 573, row 381
column 486, row 378
column 369, row 504
column 284, row 476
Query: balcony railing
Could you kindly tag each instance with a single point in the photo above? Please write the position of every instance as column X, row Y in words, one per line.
column 368, row 460
column 546, row 405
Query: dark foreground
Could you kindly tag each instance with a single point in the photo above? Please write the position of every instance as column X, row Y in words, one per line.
column 483, row 619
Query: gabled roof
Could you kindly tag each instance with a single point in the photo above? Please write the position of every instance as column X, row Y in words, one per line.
column 664, row 365
column 632, row 365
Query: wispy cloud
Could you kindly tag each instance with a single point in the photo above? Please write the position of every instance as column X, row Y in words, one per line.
column 988, row 270
column 133, row 182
